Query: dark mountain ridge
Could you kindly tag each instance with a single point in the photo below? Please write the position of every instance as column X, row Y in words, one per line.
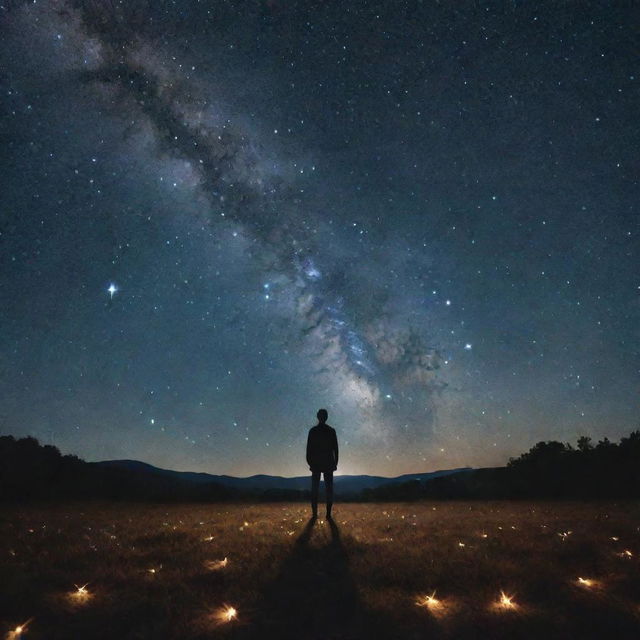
column 344, row 484
column 30, row 471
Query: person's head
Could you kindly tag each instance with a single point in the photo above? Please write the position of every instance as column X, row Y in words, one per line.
column 322, row 415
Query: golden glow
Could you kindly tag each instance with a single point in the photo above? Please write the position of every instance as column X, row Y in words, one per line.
column 615, row 538
column 81, row 594
column 586, row 582
column 506, row 602
column 226, row 613
column 430, row 601
column 484, row 535
column 436, row 607
column 207, row 539
column 18, row 631
column 214, row 565
column 461, row 544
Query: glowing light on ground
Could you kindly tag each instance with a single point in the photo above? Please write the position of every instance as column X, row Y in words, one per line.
column 81, row 594
column 432, row 603
column 505, row 602
column 19, row 631
column 586, row 582
column 215, row 565
column 226, row 614
column 436, row 606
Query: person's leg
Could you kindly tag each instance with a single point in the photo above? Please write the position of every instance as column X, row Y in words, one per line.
column 315, row 484
column 328, row 485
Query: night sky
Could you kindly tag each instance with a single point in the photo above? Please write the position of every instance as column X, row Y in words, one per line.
column 218, row 217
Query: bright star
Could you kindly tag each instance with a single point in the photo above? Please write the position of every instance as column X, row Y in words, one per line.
column 112, row 290
column 468, row 346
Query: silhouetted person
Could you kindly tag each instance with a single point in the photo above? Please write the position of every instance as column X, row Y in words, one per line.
column 322, row 457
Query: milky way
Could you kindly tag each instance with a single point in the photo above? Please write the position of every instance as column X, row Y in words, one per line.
column 217, row 219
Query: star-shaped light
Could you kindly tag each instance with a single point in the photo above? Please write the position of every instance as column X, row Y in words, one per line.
column 112, row 290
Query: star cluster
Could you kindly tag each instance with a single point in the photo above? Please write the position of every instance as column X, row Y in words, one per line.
column 218, row 217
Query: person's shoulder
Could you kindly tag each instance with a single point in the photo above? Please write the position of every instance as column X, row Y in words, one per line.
column 330, row 427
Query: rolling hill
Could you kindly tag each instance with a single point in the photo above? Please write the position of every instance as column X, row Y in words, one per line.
column 344, row 484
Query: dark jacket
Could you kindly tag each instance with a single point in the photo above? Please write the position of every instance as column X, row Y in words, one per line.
column 322, row 448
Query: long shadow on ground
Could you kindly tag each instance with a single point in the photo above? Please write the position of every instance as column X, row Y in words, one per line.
column 313, row 595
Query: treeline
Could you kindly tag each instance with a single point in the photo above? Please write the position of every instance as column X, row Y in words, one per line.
column 555, row 469
column 548, row 470
column 30, row 471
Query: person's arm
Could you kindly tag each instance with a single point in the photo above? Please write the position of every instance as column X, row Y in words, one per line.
column 308, row 447
column 335, row 446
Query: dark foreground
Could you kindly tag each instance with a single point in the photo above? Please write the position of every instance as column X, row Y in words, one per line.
column 491, row 569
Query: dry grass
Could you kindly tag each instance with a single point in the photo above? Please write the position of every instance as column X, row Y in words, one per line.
column 260, row 571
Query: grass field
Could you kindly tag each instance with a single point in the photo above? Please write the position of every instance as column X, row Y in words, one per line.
column 265, row 571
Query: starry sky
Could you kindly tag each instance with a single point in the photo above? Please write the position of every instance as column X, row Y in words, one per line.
column 217, row 217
